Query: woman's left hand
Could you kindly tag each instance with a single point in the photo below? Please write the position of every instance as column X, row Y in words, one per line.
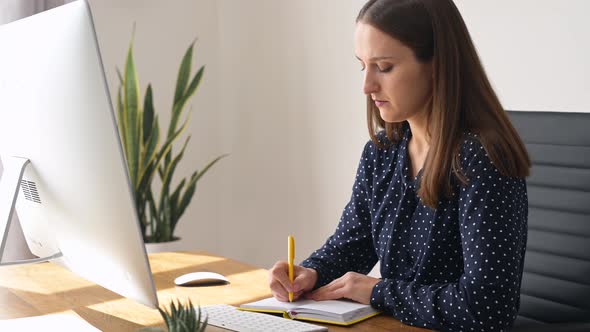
column 354, row 286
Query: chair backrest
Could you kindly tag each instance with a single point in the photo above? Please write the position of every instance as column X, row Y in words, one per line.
column 556, row 281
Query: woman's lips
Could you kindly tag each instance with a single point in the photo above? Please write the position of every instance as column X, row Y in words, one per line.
column 380, row 103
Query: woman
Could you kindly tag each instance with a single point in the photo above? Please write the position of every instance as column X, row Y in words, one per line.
column 440, row 194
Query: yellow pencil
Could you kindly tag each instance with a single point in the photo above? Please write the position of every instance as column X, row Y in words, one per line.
column 290, row 261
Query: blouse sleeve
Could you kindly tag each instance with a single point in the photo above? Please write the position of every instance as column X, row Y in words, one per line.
column 492, row 211
column 350, row 248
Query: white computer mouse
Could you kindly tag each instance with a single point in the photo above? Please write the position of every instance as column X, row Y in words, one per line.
column 201, row 279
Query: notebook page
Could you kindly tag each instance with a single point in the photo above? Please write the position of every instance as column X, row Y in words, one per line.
column 272, row 303
column 339, row 307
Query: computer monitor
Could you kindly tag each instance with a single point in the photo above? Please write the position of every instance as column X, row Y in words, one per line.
column 58, row 131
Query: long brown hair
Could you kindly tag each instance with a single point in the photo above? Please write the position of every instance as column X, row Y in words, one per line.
column 462, row 97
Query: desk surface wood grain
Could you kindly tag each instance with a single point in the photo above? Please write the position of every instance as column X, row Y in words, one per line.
column 47, row 288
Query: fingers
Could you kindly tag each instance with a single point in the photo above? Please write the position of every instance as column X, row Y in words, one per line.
column 297, row 295
column 279, row 282
column 352, row 285
column 305, row 279
column 337, row 289
column 281, row 297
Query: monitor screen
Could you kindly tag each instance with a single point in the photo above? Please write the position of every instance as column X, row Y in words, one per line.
column 59, row 144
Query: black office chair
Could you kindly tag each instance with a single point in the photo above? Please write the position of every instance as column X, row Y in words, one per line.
column 555, row 292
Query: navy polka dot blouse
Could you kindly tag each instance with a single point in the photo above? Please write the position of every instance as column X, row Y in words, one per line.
column 456, row 268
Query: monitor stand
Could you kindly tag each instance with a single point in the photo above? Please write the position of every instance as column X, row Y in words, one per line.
column 14, row 168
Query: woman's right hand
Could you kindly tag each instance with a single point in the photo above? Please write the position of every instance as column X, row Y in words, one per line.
column 280, row 285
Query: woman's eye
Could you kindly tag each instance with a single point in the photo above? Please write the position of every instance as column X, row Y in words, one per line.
column 381, row 69
column 385, row 69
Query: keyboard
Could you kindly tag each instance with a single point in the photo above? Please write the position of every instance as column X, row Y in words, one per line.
column 230, row 318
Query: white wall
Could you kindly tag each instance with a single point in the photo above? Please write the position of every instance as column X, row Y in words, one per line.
column 535, row 51
column 292, row 115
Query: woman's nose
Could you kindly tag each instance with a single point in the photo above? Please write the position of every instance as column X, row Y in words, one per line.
column 370, row 84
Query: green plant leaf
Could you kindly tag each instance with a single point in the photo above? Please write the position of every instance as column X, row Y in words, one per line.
column 167, row 317
column 119, row 75
column 185, row 200
column 175, row 135
column 146, row 181
column 132, row 115
column 153, row 216
column 121, row 115
column 184, row 73
column 121, row 120
column 179, row 105
column 183, row 318
column 209, row 165
column 166, row 174
column 165, row 194
column 186, row 197
column 175, row 203
column 161, row 211
column 192, row 88
column 148, row 114
column 191, row 187
column 169, row 172
column 168, row 145
column 149, row 153
column 163, row 226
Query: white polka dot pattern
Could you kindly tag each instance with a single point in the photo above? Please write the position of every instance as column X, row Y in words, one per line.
column 456, row 268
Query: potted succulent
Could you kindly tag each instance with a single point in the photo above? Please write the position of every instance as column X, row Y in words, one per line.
column 150, row 155
column 180, row 318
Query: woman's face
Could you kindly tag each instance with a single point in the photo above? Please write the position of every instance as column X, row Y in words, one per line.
column 399, row 84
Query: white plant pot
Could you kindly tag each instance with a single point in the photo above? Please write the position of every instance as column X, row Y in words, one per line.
column 169, row 246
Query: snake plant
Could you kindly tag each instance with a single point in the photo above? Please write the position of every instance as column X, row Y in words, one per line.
column 147, row 156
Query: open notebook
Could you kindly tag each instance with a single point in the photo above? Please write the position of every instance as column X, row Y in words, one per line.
column 340, row 312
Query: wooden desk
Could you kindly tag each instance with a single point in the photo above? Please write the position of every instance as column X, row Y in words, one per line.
column 47, row 288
